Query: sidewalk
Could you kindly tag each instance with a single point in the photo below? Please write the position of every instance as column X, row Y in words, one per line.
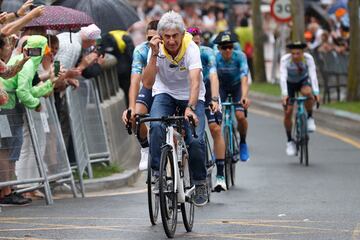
column 341, row 121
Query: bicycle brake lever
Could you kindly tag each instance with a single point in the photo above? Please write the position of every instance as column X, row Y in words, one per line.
column 128, row 124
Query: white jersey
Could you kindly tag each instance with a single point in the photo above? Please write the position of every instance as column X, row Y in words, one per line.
column 174, row 79
column 288, row 72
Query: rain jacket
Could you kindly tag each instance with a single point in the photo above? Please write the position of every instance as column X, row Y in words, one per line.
column 21, row 85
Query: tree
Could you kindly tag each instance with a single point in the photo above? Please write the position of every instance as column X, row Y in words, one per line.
column 259, row 60
column 298, row 20
column 354, row 61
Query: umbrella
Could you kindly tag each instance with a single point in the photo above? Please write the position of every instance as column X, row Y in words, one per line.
column 14, row 5
column 61, row 18
column 314, row 9
column 107, row 14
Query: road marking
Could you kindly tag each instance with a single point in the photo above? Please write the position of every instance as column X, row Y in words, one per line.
column 321, row 130
column 356, row 233
column 102, row 194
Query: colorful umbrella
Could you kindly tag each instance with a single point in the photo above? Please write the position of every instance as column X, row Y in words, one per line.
column 107, row 14
column 61, row 18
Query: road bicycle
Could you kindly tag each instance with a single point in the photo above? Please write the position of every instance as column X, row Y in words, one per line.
column 174, row 181
column 301, row 130
column 232, row 153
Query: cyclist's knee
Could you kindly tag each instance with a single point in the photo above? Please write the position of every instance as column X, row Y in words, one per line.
column 306, row 91
column 240, row 116
column 215, row 129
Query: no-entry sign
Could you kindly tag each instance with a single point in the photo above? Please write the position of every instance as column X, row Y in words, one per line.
column 281, row 10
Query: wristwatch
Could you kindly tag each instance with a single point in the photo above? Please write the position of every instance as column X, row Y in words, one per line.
column 192, row 107
column 215, row 99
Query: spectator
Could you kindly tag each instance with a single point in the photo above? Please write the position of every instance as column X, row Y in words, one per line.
column 316, row 31
column 149, row 10
column 20, row 89
column 221, row 22
column 120, row 44
column 326, row 45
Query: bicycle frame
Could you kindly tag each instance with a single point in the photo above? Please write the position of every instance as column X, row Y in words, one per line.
column 300, row 102
column 178, row 151
column 229, row 112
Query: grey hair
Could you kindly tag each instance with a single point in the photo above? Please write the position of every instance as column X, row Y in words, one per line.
column 171, row 20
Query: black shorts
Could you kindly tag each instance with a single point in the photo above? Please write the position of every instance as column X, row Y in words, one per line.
column 145, row 97
column 293, row 88
column 211, row 117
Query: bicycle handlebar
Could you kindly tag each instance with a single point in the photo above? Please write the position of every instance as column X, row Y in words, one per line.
column 236, row 104
column 166, row 119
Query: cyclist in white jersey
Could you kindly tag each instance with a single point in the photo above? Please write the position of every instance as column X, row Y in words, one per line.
column 297, row 74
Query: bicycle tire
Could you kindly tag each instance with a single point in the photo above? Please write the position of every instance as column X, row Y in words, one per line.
column 305, row 141
column 299, row 139
column 209, row 166
column 187, row 208
column 168, row 197
column 153, row 199
column 236, row 150
column 228, row 157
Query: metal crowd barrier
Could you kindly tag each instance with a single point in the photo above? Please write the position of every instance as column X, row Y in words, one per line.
column 34, row 141
column 333, row 68
column 107, row 83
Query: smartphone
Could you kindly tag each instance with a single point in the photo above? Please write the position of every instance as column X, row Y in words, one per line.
column 34, row 52
column 56, row 68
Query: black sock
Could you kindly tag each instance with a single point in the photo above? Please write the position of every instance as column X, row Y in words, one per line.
column 220, row 167
column 242, row 139
column 309, row 114
column 144, row 143
column 288, row 134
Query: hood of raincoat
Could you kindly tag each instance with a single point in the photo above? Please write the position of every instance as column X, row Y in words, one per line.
column 26, row 75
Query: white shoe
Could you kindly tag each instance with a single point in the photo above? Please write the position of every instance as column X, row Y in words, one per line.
column 143, row 165
column 290, row 148
column 220, row 184
column 311, row 124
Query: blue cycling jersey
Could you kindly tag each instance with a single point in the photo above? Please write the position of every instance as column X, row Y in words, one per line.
column 208, row 62
column 140, row 58
column 231, row 72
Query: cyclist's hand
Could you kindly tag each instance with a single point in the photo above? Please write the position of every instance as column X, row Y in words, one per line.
column 214, row 106
column 188, row 113
column 154, row 44
column 124, row 115
column 285, row 100
column 245, row 102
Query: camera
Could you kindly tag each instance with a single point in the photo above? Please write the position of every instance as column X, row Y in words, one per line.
column 34, row 52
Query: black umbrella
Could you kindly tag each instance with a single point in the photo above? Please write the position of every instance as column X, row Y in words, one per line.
column 107, row 14
column 14, row 5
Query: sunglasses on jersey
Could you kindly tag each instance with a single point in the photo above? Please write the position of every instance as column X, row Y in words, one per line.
column 225, row 47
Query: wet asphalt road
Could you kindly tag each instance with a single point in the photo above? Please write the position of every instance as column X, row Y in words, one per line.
column 274, row 198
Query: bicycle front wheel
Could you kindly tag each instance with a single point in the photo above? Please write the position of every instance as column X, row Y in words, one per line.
column 187, row 208
column 236, row 152
column 168, row 195
column 153, row 198
column 228, row 157
column 304, row 140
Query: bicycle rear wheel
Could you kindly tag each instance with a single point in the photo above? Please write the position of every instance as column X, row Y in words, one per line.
column 187, row 208
column 168, row 195
column 210, row 163
column 228, row 157
column 153, row 198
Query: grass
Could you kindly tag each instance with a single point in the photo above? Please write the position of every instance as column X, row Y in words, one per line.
column 353, row 107
column 266, row 88
column 101, row 170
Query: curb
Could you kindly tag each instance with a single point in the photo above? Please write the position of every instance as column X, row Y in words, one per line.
column 338, row 120
column 119, row 180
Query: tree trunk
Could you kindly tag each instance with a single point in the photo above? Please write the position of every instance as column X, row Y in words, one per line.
column 354, row 61
column 298, row 20
column 259, row 74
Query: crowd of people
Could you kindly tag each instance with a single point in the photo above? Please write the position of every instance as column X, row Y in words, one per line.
column 36, row 64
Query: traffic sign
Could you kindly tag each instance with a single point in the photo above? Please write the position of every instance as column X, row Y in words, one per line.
column 281, row 10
